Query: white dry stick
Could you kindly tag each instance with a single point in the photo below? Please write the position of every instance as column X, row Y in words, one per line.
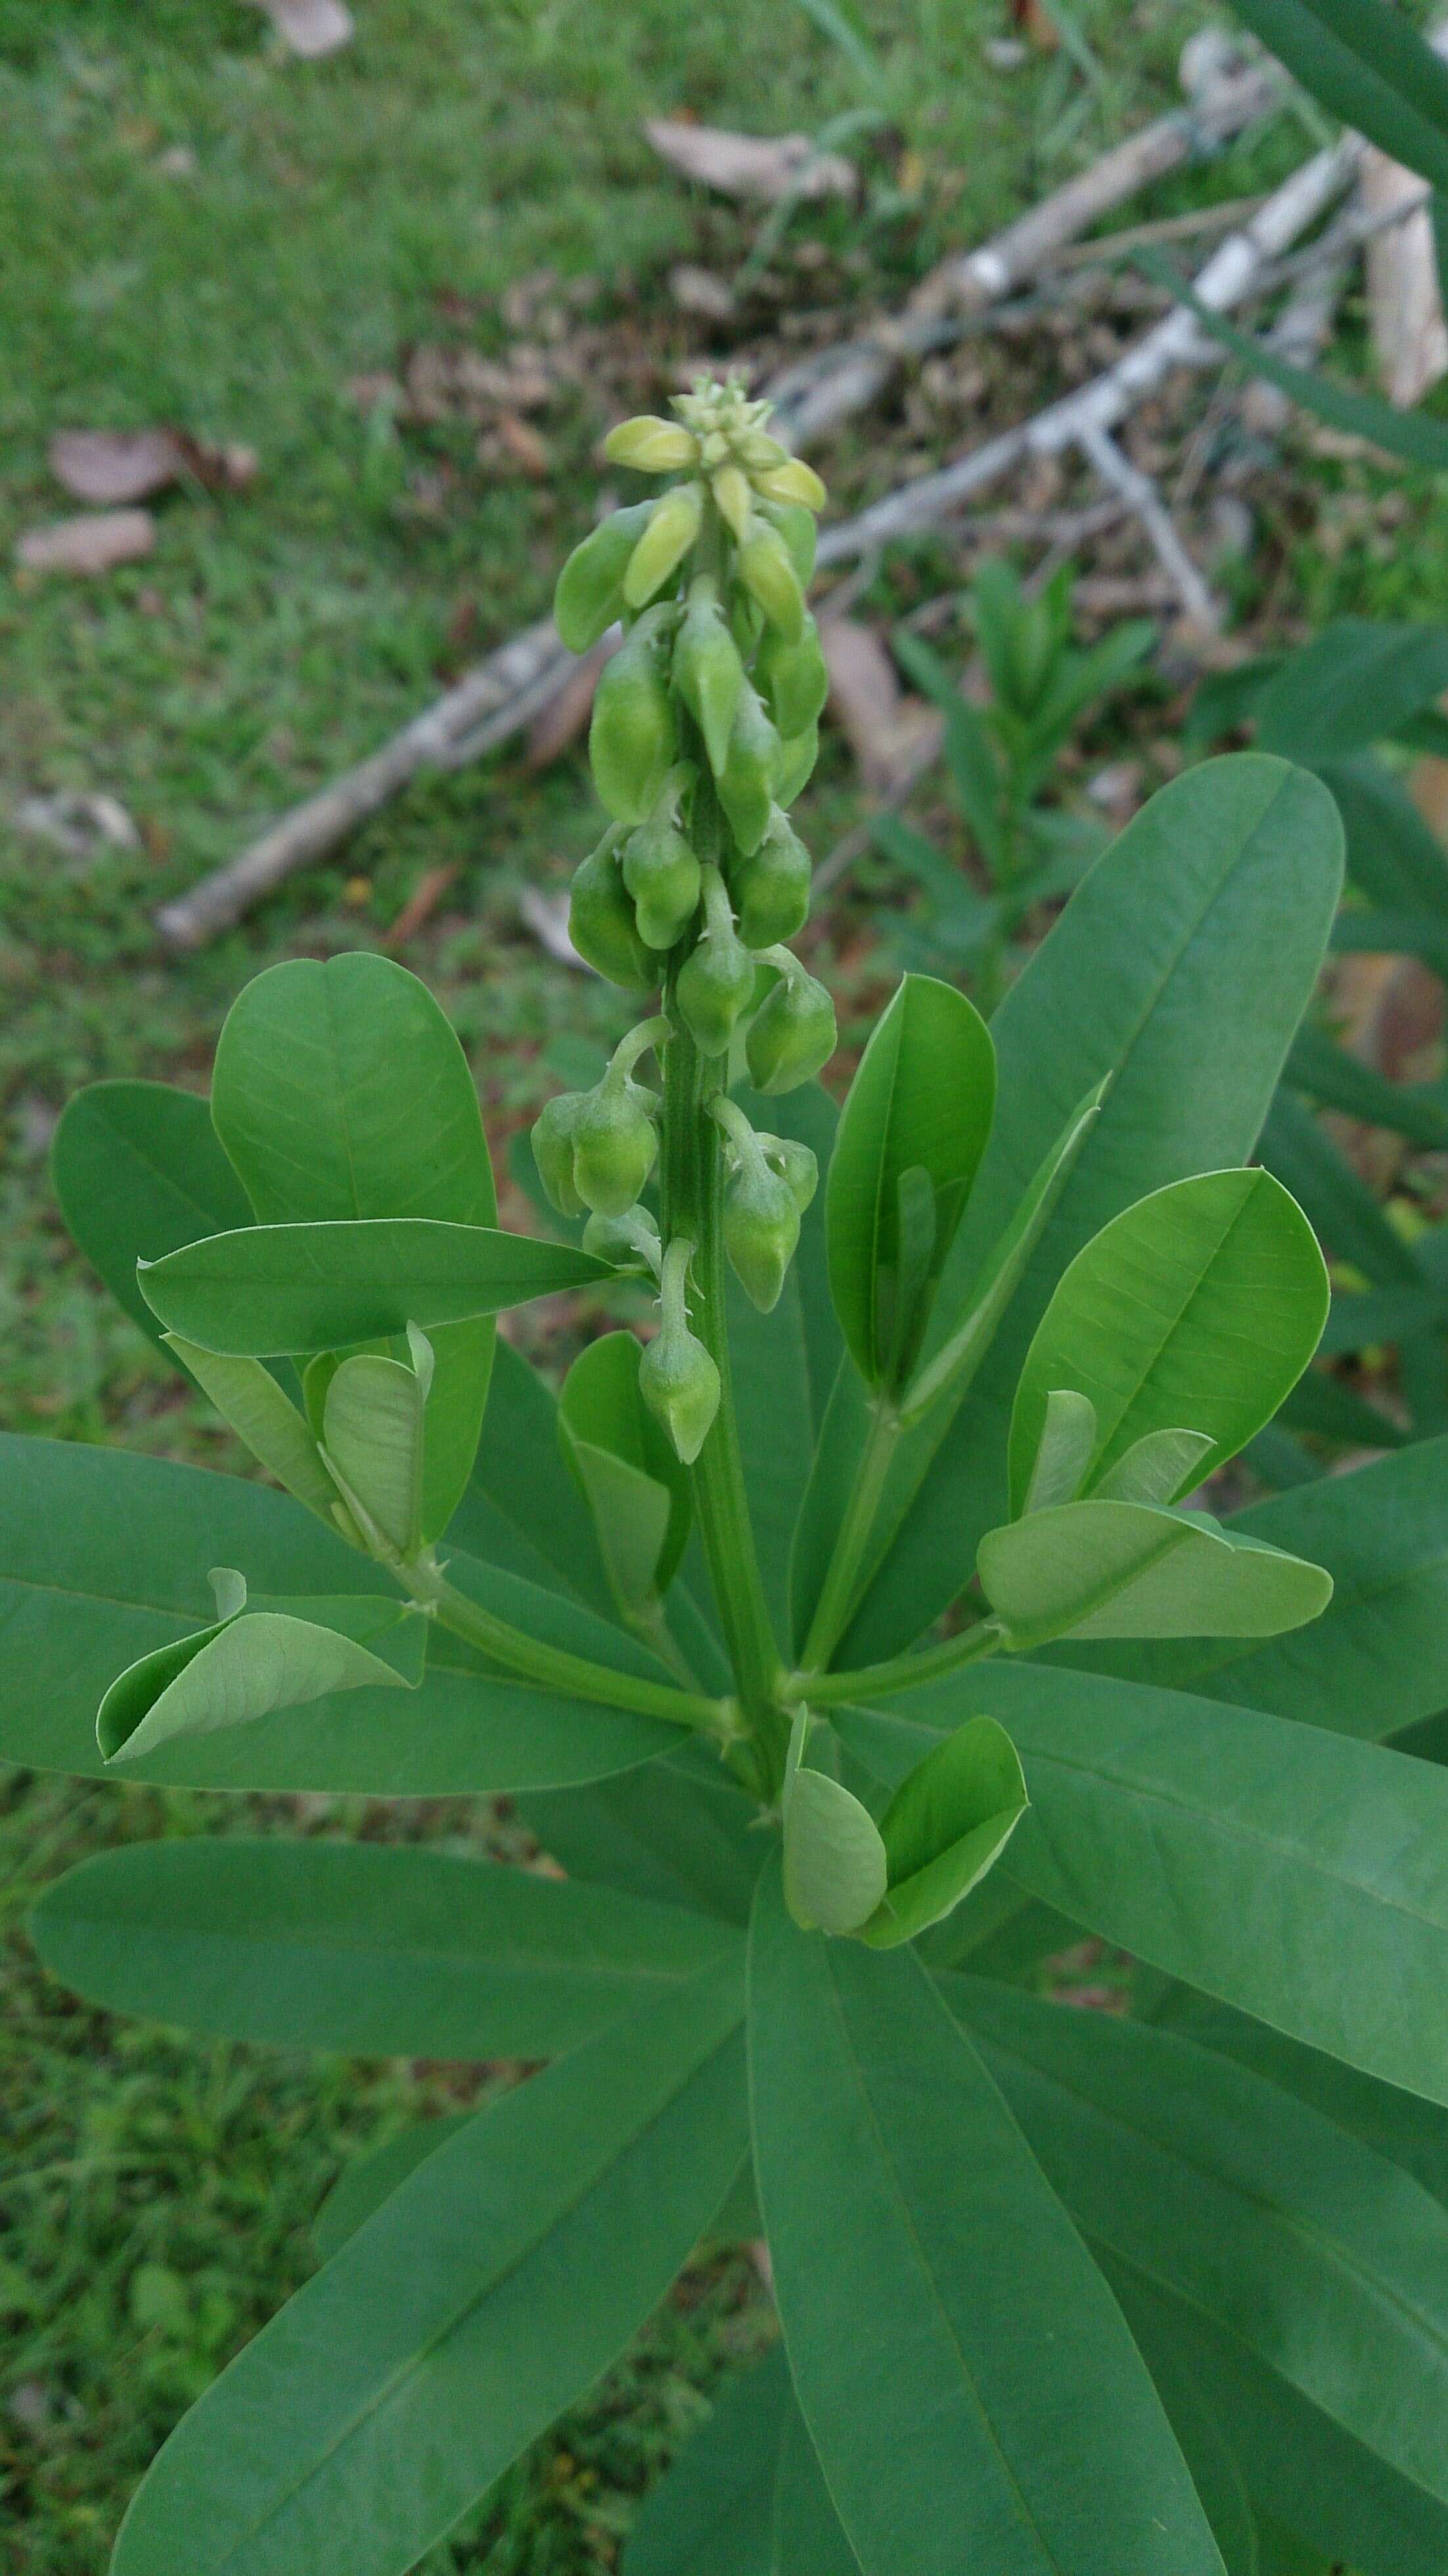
column 1178, row 340
column 1144, row 501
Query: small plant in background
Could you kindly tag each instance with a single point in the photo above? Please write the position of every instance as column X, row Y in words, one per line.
column 1001, row 756
column 954, row 1671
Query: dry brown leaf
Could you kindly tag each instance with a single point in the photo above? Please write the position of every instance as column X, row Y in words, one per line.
column 564, row 717
column 447, row 384
column 889, row 733
column 765, row 167
column 311, row 27
column 94, row 544
column 421, row 904
column 1405, row 304
column 111, row 467
column 699, row 290
column 527, row 450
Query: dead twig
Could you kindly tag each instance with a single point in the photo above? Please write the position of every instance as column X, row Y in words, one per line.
column 1145, row 503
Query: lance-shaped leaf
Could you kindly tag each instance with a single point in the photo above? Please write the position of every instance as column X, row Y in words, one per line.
column 1356, row 682
column 1298, row 1875
column 745, row 2496
column 947, row 1824
column 835, row 1868
column 1369, row 67
column 373, row 1949
column 1325, row 2259
column 1104, row 1569
column 363, row 2186
column 278, row 1288
column 138, row 1171
column 967, row 2380
column 679, row 1831
column 447, row 2333
column 522, row 1509
column 921, row 1102
column 1180, row 970
column 247, row 1396
column 104, row 1557
column 1198, row 1308
column 1378, row 1657
column 626, row 1467
column 340, row 1091
column 251, row 1663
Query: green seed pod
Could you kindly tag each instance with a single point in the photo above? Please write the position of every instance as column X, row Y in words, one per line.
column 761, row 1230
column 797, row 758
column 553, row 1151
column 601, row 921
column 626, row 1239
column 715, row 989
column 589, row 594
column 768, row 574
column 651, row 445
column 633, row 739
column 792, row 1034
column 795, row 1165
column 661, row 873
column 746, row 781
column 799, row 532
column 680, row 1385
column 730, row 487
column 615, row 1144
column 708, row 672
column 794, row 678
column 675, row 523
column 793, row 482
column 771, row 889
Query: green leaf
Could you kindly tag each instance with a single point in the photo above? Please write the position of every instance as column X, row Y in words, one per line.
column 679, row 1832
column 1300, row 1876
column 326, row 1078
column 745, row 2496
column 281, row 1288
column 1179, row 970
column 247, row 1396
column 368, row 2181
column 484, row 2296
column 1352, row 685
column 627, row 1468
column 1199, row 1307
column 522, row 1509
column 1324, row 2258
column 376, row 1950
column 1216, row 2471
column 1296, row 2462
column 1413, row 436
column 1393, row 856
column 138, row 1172
column 1368, row 67
column 1104, row 1569
column 104, row 1557
column 922, row 1098
column 947, row 1824
column 1340, row 1207
column 1337, row 1080
column 1378, row 1656
column 835, row 1868
column 965, row 2376
column 253, row 1663
column 372, row 1427
column 1063, row 1452
column 1155, row 1467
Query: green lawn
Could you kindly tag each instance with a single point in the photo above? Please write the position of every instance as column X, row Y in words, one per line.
column 157, row 2195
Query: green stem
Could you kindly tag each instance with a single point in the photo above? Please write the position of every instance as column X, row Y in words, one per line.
column 552, row 1667
column 691, row 1177
column 837, row 1593
column 901, row 1673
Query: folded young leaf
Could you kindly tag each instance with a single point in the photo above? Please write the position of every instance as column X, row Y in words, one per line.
column 947, row 1824
column 283, row 1288
column 1104, row 1569
column 372, row 1426
column 1156, row 1468
column 970, row 2388
column 1148, row 1323
column 626, row 1468
column 1063, row 1453
column 835, row 1870
column 371, row 1949
column 490, row 2291
column 922, row 1100
column 247, row 1396
column 255, row 1662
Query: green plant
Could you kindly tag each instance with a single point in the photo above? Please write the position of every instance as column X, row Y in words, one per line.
column 1000, row 757
column 1057, row 2291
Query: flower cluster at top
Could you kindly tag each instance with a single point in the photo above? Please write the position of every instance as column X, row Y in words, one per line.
column 704, row 731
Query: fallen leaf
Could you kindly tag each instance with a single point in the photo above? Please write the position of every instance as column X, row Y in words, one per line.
column 1405, row 304
column 889, row 733
column 311, row 27
column 766, row 167
column 109, row 467
column 94, row 544
column 445, row 384
column 421, row 904
column 546, row 915
column 78, row 822
column 562, row 720
column 698, row 290
column 523, row 445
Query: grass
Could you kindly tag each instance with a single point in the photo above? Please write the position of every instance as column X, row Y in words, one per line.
column 158, row 2193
